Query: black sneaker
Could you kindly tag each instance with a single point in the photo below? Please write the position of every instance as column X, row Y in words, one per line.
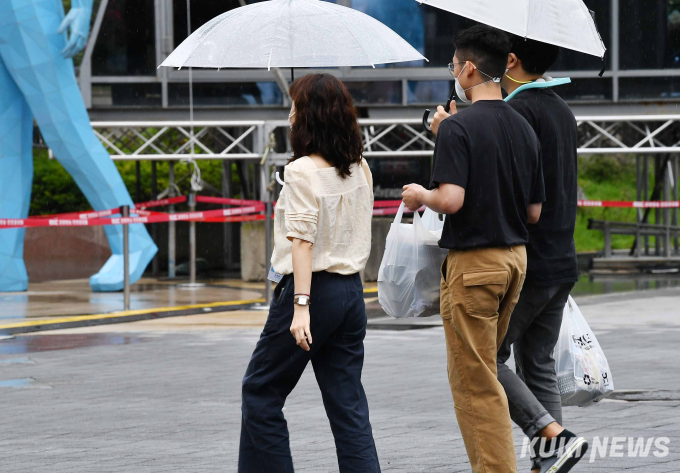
column 575, row 449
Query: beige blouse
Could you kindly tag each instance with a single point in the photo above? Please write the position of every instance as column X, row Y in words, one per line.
column 334, row 214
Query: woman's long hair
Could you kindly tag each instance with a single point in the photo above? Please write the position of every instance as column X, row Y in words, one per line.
column 325, row 122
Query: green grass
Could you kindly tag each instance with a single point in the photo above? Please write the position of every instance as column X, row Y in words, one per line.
column 606, row 178
column 55, row 191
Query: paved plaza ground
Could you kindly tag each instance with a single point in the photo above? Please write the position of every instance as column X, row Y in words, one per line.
column 45, row 300
column 164, row 395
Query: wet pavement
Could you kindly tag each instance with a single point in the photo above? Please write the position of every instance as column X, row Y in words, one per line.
column 74, row 297
column 52, row 300
column 164, row 395
column 62, row 341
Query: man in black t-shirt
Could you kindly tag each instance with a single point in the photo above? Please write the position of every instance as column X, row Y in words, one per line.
column 551, row 261
column 487, row 179
column 552, row 269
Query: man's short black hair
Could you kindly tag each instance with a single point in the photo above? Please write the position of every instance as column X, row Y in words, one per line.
column 485, row 46
column 536, row 57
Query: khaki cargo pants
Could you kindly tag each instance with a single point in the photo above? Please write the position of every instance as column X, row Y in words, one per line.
column 479, row 291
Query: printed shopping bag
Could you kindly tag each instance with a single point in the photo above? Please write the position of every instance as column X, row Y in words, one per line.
column 583, row 373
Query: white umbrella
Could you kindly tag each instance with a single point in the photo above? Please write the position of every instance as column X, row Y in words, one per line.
column 564, row 23
column 292, row 33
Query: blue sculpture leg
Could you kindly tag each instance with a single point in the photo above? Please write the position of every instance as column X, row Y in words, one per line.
column 31, row 49
column 16, row 173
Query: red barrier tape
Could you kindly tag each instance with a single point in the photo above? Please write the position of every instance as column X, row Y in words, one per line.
column 139, row 208
column 393, row 211
column 245, row 218
column 161, row 203
column 83, row 215
column 155, row 217
column 672, row 204
column 386, row 203
column 224, row 201
column 650, row 204
column 381, row 208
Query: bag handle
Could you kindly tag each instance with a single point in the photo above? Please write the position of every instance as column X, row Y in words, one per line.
column 417, row 218
column 400, row 213
column 570, row 302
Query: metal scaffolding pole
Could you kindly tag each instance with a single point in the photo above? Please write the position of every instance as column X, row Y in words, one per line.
column 192, row 284
column 125, row 212
column 138, row 181
column 676, row 197
column 192, row 241
column 227, row 192
column 155, row 264
column 657, row 212
column 667, row 212
column 645, row 190
column 268, row 248
column 172, row 245
column 265, row 173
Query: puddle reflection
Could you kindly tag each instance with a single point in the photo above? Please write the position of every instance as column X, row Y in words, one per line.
column 80, row 300
column 23, row 383
column 40, row 343
column 607, row 284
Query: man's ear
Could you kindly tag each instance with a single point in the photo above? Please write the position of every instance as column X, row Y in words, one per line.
column 470, row 69
column 513, row 61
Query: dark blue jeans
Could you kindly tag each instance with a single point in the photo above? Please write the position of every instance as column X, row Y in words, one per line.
column 338, row 326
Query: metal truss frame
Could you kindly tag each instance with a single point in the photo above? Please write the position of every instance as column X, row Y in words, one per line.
column 389, row 138
column 174, row 141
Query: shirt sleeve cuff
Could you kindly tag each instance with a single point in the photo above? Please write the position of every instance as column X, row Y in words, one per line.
column 300, row 236
column 447, row 180
column 302, row 218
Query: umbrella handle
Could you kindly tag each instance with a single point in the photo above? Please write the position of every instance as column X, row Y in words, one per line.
column 426, row 117
column 447, row 109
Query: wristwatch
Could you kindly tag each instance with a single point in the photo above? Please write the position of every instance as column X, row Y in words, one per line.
column 302, row 299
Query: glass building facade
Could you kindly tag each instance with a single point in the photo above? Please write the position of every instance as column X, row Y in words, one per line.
column 642, row 61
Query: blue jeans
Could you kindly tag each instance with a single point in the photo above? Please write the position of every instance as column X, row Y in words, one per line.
column 338, row 326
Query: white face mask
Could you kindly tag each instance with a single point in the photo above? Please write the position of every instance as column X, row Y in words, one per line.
column 289, row 117
column 460, row 91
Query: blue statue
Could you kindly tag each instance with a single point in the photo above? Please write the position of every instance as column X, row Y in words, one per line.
column 405, row 17
column 37, row 80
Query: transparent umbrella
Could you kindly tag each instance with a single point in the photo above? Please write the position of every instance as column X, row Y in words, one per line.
column 565, row 23
column 291, row 33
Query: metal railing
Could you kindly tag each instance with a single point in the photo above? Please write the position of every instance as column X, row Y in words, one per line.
column 163, row 141
column 633, row 134
column 630, row 134
column 178, row 140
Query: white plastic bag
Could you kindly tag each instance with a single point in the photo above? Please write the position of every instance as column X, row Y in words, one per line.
column 432, row 222
column 583, row 373
column 409, row 274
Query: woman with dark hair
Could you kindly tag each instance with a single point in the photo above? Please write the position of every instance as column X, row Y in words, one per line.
column 322, row 234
